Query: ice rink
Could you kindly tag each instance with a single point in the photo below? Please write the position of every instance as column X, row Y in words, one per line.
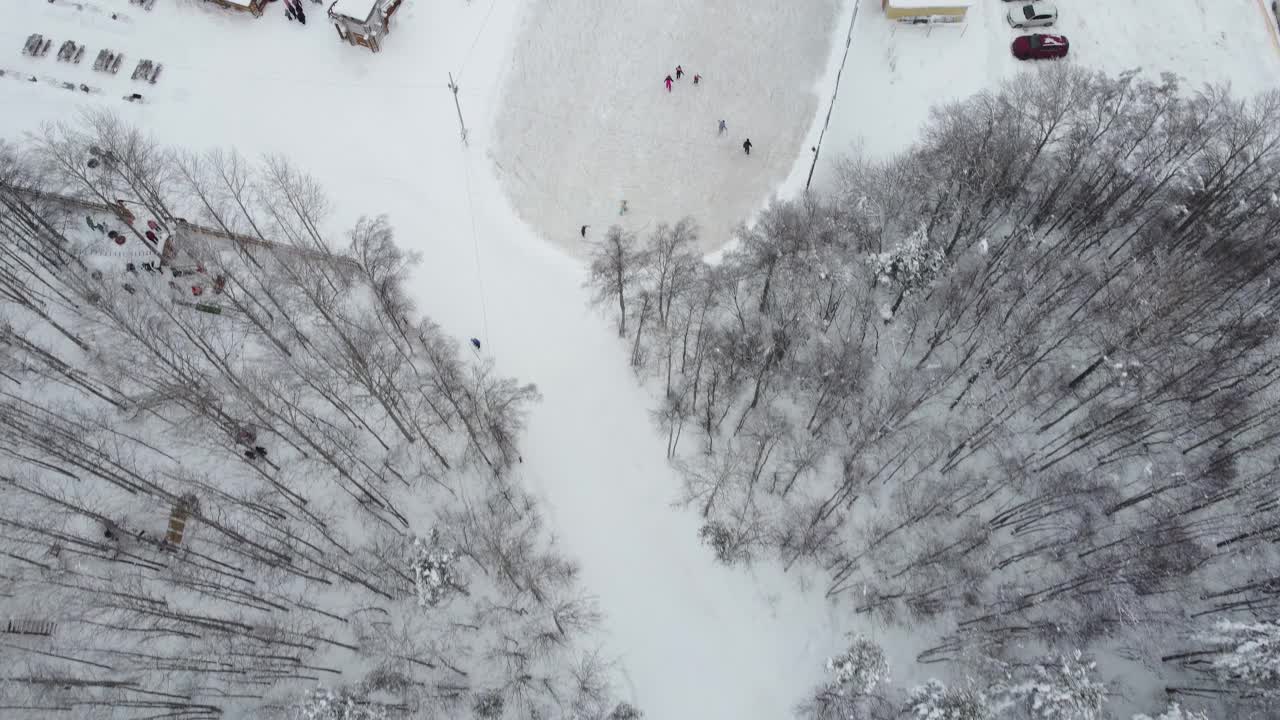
column 586, row 123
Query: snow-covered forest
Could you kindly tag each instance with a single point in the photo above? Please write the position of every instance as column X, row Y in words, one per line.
column 259, row 483
column 1015, row 387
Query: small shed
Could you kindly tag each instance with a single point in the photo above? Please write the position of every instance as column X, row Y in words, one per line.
column 923, row 11
column 253, row 7
column 363, row 22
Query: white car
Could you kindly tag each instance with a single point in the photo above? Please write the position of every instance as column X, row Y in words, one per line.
column 1032, row 14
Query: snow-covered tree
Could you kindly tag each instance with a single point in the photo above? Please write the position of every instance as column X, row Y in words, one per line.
column 434, row 576
column 1175, row 712
column 324, row 704
column 936, row 701
column 855, row 674
column 1064, row 689
column 1250, row 654
column 858, row 670
column 911, row 265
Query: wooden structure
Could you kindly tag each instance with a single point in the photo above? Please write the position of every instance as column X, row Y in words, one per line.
column 253, row 7
column 363, row 22
column 178, row 518
column 925, row 11
column 29, row 627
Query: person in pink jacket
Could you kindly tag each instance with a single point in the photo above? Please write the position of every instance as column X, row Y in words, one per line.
column 668, row 83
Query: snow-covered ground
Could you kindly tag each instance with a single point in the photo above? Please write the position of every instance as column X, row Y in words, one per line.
column 380, row 132
column 895, row 71
column 586, row 122
column 566, row 112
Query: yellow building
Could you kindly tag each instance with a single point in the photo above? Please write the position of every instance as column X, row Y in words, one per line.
column 921, row 11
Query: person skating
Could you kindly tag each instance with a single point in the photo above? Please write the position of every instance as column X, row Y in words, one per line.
column 584, row 230
column 723, row 128
column 668, row 83
column 697, row 78
column 746, row 146
column 679, row 72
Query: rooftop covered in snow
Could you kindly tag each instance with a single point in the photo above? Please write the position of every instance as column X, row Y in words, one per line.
column 355, row 9
column 926, row 4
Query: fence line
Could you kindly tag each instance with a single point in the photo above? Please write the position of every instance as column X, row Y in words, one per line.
column 817, row 149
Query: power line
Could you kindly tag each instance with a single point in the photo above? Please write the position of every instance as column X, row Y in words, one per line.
column 475, row 244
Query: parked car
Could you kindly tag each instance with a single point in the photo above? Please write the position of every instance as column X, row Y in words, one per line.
column 1032, row 14
column 1040, row 47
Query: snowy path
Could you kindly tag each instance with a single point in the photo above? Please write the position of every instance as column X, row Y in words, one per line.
column 697, row 641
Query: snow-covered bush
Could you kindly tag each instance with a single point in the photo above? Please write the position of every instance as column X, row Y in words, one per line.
column 324, row 704
column 434, row 576
column 858, row 670
column 1175, row 712
column 1064, row 689
column 935, row 701
column 1250, row 654
column 625, row 711
column 912, row 265
column 488, row 704
column 720, row 538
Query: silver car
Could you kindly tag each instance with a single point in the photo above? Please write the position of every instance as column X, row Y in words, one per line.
column 1032, row 14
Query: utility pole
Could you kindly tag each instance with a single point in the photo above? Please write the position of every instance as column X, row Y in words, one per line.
column 454, row 87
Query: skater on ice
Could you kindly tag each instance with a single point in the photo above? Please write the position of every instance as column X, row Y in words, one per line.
column 679, row 72
column 584, row 230
column 746, row 146
column 668, row 83
column 475, row 343
column 697, row 78
column 723, row 128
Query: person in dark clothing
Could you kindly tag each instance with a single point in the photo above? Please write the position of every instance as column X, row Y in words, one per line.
column 679, row 72
column 584, row 230
column 746, row 146
column 475, row 343
column 288, row 14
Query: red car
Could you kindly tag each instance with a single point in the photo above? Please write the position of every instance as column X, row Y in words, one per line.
column 1040, row 47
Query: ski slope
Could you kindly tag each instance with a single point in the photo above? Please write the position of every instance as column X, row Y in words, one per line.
column 381, row 133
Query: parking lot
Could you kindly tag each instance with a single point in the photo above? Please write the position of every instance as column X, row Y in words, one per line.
column 896, row 72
